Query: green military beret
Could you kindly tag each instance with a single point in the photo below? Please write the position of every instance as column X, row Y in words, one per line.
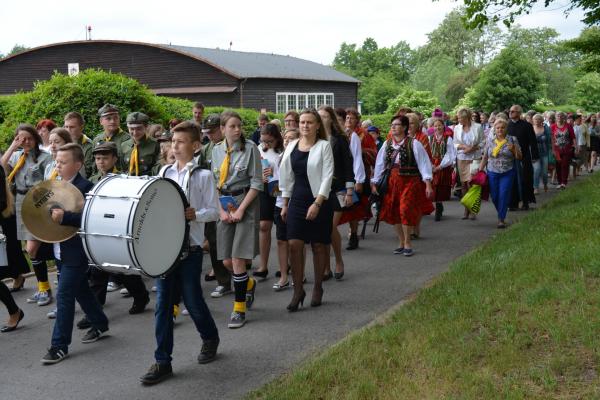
column 137, row 118
column 211, row 122
column 105, row 148
column 108, row 109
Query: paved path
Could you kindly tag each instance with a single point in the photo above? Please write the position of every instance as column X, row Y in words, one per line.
column 272, row 342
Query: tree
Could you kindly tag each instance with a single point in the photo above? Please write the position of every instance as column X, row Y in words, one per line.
column 433, row 76
column 587, row 44
column 479, row 13
column 465, row 46
column 587, row 92
column 17, row 48
column 420, row 101
column 511, row 78
column 376, row 91
column 457, row 87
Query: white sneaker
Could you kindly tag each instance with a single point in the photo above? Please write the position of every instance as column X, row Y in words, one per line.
column 111, row 287
column 124, row 291
column 34, row 298
column 52, row 314
column 220, row 291
column 185, row 312
column 153, row 288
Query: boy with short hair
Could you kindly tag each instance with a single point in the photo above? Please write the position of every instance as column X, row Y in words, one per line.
column 204, row 207
column 105, row 159
column 73, row 283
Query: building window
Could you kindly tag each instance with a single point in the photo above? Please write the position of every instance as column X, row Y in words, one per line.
column 297, row 101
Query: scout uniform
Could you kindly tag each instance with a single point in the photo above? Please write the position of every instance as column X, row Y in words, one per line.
column 88, row 156
column 141, row 158
column 26, row 173
column 237, row 169
column 211, row 122
column 104, row 148
column 118, row 138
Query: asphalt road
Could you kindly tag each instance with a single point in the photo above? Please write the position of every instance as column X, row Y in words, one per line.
column 272, row 342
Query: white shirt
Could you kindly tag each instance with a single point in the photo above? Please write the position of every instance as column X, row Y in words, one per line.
column 474, row 136
column 202, row 196
column 421, row 157
column 273, row 158
column 450, row 155
column 357, row 161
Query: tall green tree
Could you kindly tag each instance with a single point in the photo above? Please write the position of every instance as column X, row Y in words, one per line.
column 479, row 13
column 588, row 46
column 587, row 92
column 510, row 78
column 464, row 46
column 434, row 75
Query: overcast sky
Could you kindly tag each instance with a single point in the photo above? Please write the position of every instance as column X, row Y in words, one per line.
column 310, row 29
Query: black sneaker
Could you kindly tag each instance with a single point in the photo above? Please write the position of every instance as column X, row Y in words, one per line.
column 157, row 373
column 237, row 320
column 84, row 323
column 139, row 307
column 92, row 335
column 250, row 295
column 208, row 352
column 54, row 356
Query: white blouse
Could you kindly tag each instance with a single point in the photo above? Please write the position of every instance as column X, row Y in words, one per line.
column 357, row 161
column 421, row 157
column 474, row 136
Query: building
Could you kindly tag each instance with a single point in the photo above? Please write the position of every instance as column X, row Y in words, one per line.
column 215, row 77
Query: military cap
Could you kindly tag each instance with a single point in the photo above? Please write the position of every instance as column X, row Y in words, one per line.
column 166, row 136
column 211, row 122
column 108, row 109
column 106, row 147
column 137, row 118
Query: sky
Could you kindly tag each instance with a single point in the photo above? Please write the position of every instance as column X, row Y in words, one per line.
column 309, row 29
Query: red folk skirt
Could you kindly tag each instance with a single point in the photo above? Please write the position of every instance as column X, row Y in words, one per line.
column 402, row 202
column 358, row 212
column 442, row 182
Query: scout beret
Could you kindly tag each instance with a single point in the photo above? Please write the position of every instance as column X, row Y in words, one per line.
column 211, row 122
column 105, row 147
column 137, row 118
column 166, row 136
column 108, row 109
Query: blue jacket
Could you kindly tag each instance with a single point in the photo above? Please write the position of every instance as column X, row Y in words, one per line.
column 71, row 250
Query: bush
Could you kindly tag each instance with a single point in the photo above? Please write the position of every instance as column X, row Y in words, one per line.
column 382, row 121
column 587, row 92
column 87, row 92
column 420, row 101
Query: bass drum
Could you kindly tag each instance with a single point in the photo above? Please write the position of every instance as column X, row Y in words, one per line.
column 133, row 225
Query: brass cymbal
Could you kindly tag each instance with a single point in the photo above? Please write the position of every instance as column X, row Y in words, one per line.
column 37, row 206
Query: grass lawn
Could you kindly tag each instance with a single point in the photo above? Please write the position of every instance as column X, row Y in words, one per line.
column 519, row 317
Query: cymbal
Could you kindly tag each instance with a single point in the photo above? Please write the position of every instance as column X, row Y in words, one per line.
column 37, row 206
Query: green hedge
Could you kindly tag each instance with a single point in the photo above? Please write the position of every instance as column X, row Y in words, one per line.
column 87, row 92
column 382, row 121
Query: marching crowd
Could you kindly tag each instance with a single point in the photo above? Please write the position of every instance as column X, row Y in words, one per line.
column 322, row 169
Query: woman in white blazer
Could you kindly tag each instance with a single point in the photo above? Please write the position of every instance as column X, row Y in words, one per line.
column 305, row 177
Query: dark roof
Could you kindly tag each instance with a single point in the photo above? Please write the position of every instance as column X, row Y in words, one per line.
column 262, row 65
column 239, row 64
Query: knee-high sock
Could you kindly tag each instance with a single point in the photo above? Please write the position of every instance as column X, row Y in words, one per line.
column 240, row 285
column 41, row 273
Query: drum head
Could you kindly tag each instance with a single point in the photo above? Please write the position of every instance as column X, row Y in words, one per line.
column 159, row 227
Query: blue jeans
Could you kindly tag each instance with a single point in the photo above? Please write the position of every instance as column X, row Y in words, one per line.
column 540, row 172
column 73, row 285
column 187, row 276
column 501, row 190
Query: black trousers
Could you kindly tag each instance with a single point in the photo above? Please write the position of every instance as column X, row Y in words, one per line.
column 133, row 283
column 223, row 275
column 7, row 299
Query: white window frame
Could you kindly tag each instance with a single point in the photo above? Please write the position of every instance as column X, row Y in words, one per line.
column 306, row 100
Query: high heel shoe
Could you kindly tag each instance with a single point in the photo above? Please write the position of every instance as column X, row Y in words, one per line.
column 327, row 276
column 317, row 298
column 296, row 301
column 338, row 275
column 17, row 288
column 8, row 328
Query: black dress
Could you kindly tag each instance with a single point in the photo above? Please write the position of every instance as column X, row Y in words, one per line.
column 298, row 227
column 523, row 184
column 17, row 264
